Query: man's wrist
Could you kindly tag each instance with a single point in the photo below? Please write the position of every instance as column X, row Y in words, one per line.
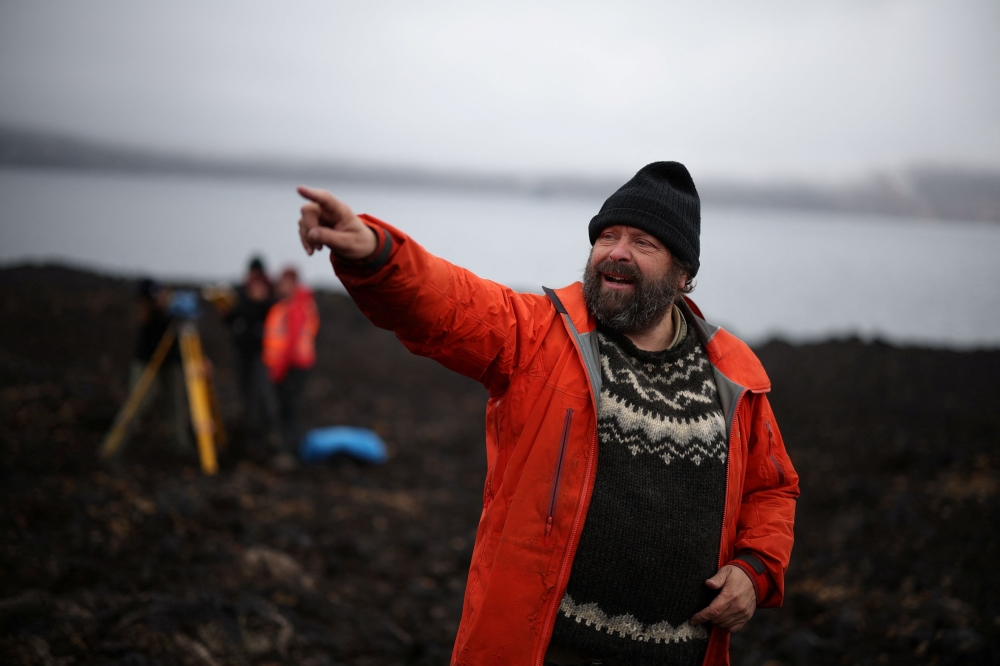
column 343, row 257
column 754, row 569
column 378, row 242
column 374, row 259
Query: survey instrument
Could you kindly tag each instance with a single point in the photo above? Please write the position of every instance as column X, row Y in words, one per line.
column 203, row 403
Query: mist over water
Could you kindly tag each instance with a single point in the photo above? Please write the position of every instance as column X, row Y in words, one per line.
column 799, row 275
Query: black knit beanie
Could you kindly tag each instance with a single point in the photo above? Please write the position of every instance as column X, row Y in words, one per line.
column 662, row 201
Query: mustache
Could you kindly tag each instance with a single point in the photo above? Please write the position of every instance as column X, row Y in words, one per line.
column 630, row 271
column 628, row 311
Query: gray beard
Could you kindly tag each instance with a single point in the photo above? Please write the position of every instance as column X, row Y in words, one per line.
column 634, row 312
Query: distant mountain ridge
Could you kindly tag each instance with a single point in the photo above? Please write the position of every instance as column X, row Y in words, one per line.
column 925, row 192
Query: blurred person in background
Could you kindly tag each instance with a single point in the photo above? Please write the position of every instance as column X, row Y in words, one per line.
column 168, row 388
column 639, row 501
column 253, row 300
column 289, row 352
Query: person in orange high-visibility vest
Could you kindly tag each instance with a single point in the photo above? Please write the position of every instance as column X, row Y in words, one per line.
column 290, row 350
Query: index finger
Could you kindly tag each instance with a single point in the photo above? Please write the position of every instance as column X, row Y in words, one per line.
column 325, row 200
column 333, row 209
column 312, row 193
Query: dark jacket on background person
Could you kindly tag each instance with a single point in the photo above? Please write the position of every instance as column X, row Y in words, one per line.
column 246, row 324
column 537, row 355
column 168, row 385
column 153, row 324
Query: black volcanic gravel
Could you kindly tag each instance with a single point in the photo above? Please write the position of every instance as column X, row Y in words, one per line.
column 148, row 562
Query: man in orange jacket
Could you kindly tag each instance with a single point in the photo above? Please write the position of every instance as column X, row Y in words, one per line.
column 639, row 502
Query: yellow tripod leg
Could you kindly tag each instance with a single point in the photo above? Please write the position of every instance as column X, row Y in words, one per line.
column 220, row 430
column 128, row 411
column 198, row 396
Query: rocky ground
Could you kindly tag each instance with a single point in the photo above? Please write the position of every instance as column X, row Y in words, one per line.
column 149, row 562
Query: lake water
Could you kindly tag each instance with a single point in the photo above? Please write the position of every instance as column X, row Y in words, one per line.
column 794, row 274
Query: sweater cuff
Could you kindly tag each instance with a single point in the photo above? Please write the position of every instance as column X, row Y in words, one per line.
column 751, row 565
column 379, row 256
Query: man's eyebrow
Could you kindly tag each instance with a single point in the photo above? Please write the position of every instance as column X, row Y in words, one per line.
column 645, row 235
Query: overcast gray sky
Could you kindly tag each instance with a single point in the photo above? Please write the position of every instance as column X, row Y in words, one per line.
column 746, row 89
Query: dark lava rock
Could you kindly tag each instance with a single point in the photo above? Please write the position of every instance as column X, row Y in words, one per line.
column 148, row 562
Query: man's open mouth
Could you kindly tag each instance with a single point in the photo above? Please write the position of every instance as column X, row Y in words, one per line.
column 617, row 279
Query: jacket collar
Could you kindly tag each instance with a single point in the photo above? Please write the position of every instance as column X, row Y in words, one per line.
column 731, row 357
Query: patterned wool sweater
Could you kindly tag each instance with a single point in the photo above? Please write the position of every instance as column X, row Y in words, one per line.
column 652, row 532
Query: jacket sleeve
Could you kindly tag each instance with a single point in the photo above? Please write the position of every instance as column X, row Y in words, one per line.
column 767, row 513
column 473, row 326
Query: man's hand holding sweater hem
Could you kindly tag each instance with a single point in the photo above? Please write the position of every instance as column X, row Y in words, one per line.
column 736, row 602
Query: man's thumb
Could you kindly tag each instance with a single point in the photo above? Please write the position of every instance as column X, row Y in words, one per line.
column 718, row 580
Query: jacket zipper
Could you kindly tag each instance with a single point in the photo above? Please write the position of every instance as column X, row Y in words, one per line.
column 574, row 535
column 734, row 429
column 555, row 481
column 770, row 454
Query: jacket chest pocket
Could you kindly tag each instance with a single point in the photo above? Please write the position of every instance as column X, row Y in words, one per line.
column 772, row 458
column 495, row 472
column 560, row 458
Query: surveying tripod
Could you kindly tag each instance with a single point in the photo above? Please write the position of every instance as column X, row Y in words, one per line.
column 202, row 401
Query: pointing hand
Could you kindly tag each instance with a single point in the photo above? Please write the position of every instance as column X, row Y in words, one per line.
column 328, row 221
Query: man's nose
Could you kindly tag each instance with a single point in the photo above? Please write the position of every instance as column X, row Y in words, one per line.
column 620, row 252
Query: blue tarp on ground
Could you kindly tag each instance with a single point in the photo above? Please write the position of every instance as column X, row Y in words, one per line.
column 359, row 443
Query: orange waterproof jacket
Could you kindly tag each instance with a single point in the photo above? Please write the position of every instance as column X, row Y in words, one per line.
column 290, row 334
column 537, row 355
